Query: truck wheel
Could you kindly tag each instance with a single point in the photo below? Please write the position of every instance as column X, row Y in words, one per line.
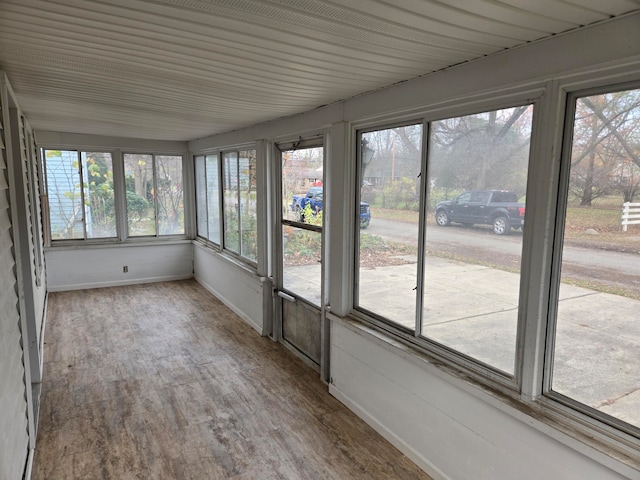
column 364, row 223
column 501, row 226
column 299, row 214
column 442, row 219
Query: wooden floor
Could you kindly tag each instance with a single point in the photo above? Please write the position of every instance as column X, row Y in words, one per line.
column 162, row 381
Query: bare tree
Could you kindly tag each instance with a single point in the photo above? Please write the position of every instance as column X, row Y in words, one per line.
column 606, row 141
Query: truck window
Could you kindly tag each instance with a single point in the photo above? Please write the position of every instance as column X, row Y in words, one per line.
column 464, row 198
column 480, row 197
column 505, row 197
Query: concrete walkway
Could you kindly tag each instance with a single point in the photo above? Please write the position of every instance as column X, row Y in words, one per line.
column 473, row 309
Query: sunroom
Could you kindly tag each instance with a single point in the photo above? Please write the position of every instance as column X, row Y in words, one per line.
column 433, row 207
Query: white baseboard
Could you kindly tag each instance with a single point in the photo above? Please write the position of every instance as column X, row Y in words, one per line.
column 230, row 305
column 28, row 468
column 396, row 441
column 118, row 283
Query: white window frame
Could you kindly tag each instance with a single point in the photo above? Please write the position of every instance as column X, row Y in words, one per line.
column 606, row 426
column 221, row 247
column 117, row 158
column 509, row 383
column 211, row 243
column 528, row 391
column 79, row 150
column 185, row 193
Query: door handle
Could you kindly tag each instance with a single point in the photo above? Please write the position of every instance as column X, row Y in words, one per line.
column 286, row 296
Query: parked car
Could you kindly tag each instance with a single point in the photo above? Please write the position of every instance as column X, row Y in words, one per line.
column 313, row 198
column 499, row 208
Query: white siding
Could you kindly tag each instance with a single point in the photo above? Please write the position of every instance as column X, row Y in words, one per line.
column 14, row 439
column 28, row 202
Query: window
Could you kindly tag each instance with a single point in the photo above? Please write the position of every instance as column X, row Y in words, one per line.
column 447, row 291
column 239, row 203
column 201, row 196
column 471, row 294
column 302, row 218
column 594, row 362
column 448, row 201
column 235, row 217
column 154, row 194
column 80, row 194
column 391, row 188
column 208, row 196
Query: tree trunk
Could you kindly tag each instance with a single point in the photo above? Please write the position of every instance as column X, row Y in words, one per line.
column 587, row 191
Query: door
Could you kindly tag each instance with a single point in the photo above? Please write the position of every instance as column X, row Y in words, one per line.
column 460, row 210
column 298, row 272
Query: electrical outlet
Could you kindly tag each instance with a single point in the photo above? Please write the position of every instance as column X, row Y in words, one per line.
column 125, row 269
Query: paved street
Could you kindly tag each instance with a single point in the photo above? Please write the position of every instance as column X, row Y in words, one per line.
column 482, row 238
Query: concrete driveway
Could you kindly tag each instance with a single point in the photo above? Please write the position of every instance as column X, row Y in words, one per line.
column 473, row 309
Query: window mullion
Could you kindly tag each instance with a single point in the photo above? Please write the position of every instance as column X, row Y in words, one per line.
column 155, row 193
column 84, row 208
column 120, row 195
column 221, row 204
column 239, row 203
column 537, row 250
column 206, row 196
column 422, row 225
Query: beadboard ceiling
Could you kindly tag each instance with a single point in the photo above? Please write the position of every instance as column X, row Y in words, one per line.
column 184, row 69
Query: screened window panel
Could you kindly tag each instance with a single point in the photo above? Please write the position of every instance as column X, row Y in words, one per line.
column 99, row 195
column 140, row 194
column 390, row 166
column 248, row 207
column 169, row 194
column 471, row 297
column 201, row 196
column 231, row 201
column 65, row 194
column 213, row 197
column 596, row 354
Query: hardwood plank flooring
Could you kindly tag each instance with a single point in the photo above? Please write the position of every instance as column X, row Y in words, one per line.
column 162, row 381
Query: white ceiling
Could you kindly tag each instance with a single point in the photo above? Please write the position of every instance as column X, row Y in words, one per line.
column 184, row 69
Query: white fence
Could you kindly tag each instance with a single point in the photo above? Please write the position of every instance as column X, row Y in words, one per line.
column 630, row 215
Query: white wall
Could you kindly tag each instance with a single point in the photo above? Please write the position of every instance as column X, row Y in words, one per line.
column 441, row 423
column 237, row 287
column 73, row 268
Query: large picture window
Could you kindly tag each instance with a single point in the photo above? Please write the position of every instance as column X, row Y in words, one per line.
column 80, row 192
column 458, row 286
column 595, row 359
column 477, row 173
column 441, row 263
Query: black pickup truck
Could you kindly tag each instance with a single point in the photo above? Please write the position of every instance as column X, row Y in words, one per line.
column 499, row 208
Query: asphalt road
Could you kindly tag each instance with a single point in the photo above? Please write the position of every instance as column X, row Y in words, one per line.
column 482, row 238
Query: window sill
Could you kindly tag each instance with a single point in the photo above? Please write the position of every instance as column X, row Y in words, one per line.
column 547, row 417
column 61, row 245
